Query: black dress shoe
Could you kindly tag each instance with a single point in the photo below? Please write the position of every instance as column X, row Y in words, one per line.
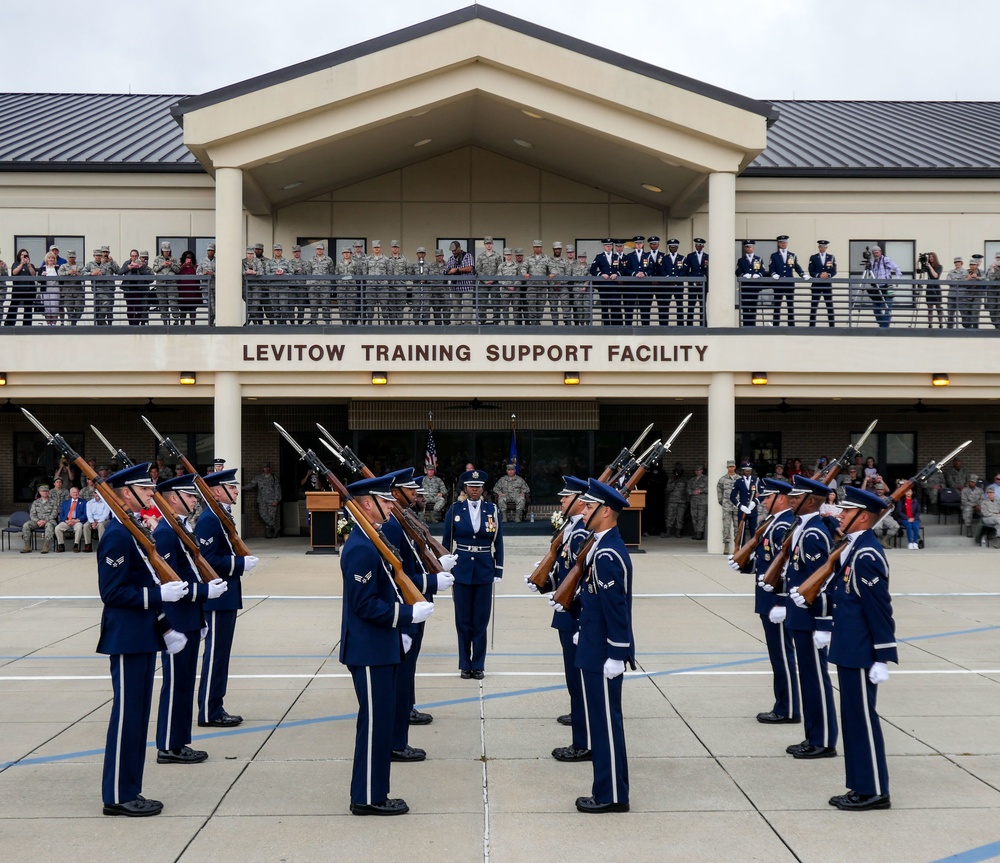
column 565, row 719
column 60, row 549
column 854, row 802
column 184, row 755
column 568, row 753
column 391, row 806
column 418, row 718
column 773, row 718
column 138, row 808
column 796, row 746
column 806, row 751
column 466, row 674
column 477, row 674
column 410, row 753
column 226, row 720
column 76, row 548
column 590, row 805
column 88, row 548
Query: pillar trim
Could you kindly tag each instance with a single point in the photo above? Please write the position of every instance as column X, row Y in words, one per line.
column 230, row 243
column 721, row 437
column 721, row 306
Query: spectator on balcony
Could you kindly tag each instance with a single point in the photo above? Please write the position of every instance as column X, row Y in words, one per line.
column 165, row 291
column 881, row 291
column 22, row 292
column 258, row 253
column 349, row 287
column 135, row 286
column 576, row 297
column 377, row 290
column 558, row 268
column 784, row 265
column 461, row 264
column 958, row 273
column 510, row 280
column 639, row 298
column 605, row 267
column 397, row 291
column 253, row 291
column 822, row 268
column 490, row 300
column 440, row 298
column 279, row 309
column 536, row 266
column 669, row 289
column 298, row 296
column 749, row 270
column 320, row 290
column 48, row 287
column 206, row 267
column 421, row 287
column 696, row 264
column 72, row 289
column 932, row 268
column 971, row 294
column 188, row 290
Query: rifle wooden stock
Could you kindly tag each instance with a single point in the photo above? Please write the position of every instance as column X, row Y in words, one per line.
column 742, row 555
column 204, row 568
column 239, row 546
column 541, row 575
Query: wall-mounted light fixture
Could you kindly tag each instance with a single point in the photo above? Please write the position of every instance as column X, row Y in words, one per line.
column 571, row 379
column 3, row 379
column 940, row 379
column 189, row 379
column 380, row 379
column 758, row 379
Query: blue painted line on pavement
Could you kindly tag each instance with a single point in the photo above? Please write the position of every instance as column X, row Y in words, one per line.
column 973, row 855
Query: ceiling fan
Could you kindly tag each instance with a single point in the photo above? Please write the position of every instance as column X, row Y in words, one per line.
column 151, row 408
column 783, row 407
column 921, row 408
column 473, row 404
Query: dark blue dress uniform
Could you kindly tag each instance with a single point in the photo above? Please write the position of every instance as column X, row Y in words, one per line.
column 639, row 295
column 371, row 647
column 606, row 633
column 777, row 637
column 187, row 615
column 673, row 267
column 750, row 270
column 810, row 550
column 220, row 613
column 607, row 268
column 696, row 264
column 566, row 623
column 784, row 267
column 863, row 633
column 821, row 291
column 480, row 561
column 745, row 490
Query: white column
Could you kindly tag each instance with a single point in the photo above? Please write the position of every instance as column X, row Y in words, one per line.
column 229, row 426
column 721, row 306
column 721, row 438
column 230, row 245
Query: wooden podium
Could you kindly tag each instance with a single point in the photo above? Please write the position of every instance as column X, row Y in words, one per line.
column 630, row 521
column 322, row 507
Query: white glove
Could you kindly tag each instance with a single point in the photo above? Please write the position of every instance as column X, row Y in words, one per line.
column 763, row 585
column 407, row 642
column 172, row 591
column 756, row 275
column 576, row 638
column 775, row 276
column 732, row 563
column 821, row 639
column 217, row 587
column 878, row 673
column 746, row 508
column 422, row 610
column 613, row 667
column 496, row 578
column 535, row 565
column 448, row 561
column 555, row 605
column 530, row 583
column 204, row 632
column 777, row 614
column 445, row 580
column 797, row 597
column 176, row 641
column 249, row 562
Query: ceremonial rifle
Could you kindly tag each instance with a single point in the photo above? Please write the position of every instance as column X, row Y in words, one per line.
column 139, row 531
column 239, row 546
column 774, row 572
column 624, row 463
column 415, row 529
column 190, row 544
column 389, row 554
column 812, row 586
column 742, row 556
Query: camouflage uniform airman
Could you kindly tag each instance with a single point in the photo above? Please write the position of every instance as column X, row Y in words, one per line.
column 349, row 288
column 279, row 288
column 422, row 291
column 379, row 294
column 44, row 509
column 490, row 301
column 972, row 497
column 509, row 289
column 71, row 293
column 59, row 492
column 268, row 488
column 299, row 291
column 723, row 489
column 3, row 285
column 253, row 291
column 559, row 267
column 576, row 295
column 439, row 295
column 206, row 267
column 697, row 490
column 990, row 509
column 888, row 527
column 320, row 290
column 165, row 289
column 436, row 494
column 933, row 484
column 677, row 498
column 395, row 292
column 956, row 476
column 992, row 298
column 536, row 267
column 511, row 488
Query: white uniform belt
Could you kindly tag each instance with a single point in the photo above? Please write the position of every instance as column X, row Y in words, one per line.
column 473, row 547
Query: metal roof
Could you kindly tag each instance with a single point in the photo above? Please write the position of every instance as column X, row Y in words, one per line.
column 881, row 139
column 91, row 132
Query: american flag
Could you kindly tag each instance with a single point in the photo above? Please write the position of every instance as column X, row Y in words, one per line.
column 430, row 456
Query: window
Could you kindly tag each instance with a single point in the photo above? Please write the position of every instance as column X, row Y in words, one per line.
column 895, row 454
column 196, row 446
column 477, row 247
column 901, row 252
column 991, row 250
column 37, row 246
column 179, row 245
column 35, row 461
column 763, row 450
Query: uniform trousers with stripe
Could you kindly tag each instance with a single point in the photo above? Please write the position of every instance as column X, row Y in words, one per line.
column 574, row 683
column 607, row 736
column 406, row 691
column 375, row 686
column 215, row 664
column 473, row 604
column 125, row 752
column 819, row 714
column 864, row 747
column 173, row 721
column 781, row 652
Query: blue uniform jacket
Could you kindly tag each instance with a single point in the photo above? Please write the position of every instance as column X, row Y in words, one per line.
column 863, row 628
column 692, row 267
column 130, row 595
column 769, row 545
column 636, row 263
column 606, row 606
column 413, row 564
column 748, row 267
column 218, row 551
column 373, row 611
column 671, row 265
column 81, row 510
column 604, row 265
column 475, row 567
column 568, row 552
column 743, row 492
column 807, row 555
column 815, row 267
column 785, row 268
column 188, row 613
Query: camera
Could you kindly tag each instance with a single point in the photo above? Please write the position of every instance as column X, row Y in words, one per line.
column 922, row 262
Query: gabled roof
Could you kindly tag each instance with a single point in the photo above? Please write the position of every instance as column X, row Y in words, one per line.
column 460, row 16
column 882, row 139
column 91, row 132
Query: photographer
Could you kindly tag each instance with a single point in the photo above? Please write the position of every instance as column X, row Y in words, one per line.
column 22, row 294
column 929, row 265
column 882, row 270
column 135, row 287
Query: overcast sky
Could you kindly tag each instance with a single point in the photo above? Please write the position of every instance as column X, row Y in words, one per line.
column 775, row 49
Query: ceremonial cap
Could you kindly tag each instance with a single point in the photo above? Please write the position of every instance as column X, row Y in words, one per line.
column 805, row 485
column 783, row 238
column 380, row 486
column 402, row 478
column 599, row 492
column 607, row 242
column 822, row 242
column 222, row 477
column 218, row 460
column 749, row 242
column 775, row 486
column 746, row 465
column 638, row 239
column 654, row 239
column 138, row 475
column 573, row 485
column 673, row 241
column 859, row 498
column 475, row 477
column 698, row 241
column 184, row 482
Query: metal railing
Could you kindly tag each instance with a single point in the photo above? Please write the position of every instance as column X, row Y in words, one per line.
column 858, row 302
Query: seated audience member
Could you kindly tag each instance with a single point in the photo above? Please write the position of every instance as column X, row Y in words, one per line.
column 98, row 515
column 72, row 516
column 908, row 512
